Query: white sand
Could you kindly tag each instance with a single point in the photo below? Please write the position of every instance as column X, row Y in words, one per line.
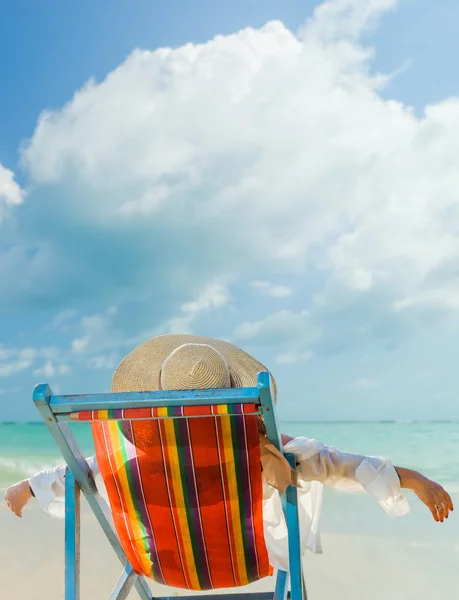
column 352, row 568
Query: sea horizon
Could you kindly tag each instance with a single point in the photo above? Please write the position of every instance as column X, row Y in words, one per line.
column 350, row 421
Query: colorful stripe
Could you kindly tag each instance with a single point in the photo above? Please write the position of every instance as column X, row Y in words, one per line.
column 191, row 503
column 129, row 484
column 186, row 493
column 118, row 414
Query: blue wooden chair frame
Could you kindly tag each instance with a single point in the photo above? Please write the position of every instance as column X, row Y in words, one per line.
column 56, row 412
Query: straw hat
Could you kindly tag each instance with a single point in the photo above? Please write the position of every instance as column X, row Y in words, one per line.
column 182, row 361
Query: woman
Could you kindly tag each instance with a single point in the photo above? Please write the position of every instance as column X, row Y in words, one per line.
column 193, row 362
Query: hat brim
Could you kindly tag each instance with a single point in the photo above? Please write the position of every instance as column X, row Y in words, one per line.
column 140, row 370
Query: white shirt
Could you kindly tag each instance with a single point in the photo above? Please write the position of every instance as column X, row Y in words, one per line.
column 318, row 464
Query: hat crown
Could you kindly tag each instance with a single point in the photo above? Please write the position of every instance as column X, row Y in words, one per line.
column 195, row 366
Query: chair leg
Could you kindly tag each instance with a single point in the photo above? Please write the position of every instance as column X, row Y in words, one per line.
column 280, row 591
column 298, row 588
column 73, row 456
column 124, row 584
column 72, row 538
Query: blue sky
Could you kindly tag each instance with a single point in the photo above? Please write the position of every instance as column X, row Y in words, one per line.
column 282, row 186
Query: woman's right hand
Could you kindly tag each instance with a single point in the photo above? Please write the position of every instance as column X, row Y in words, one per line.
column 17, row 496
column 433, row 495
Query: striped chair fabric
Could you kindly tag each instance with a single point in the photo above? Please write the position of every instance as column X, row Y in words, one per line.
column 185, row 490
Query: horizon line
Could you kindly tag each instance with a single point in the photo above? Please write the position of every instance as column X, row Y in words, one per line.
column 348, row 421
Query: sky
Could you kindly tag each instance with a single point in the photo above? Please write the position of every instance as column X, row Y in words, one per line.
column 282, row 175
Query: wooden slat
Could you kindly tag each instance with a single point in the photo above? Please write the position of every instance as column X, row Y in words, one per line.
column 269, row 413
column 280, row 591
column 245, row 596
column 290, row 498
column 124, row 584
column 72, row 538
column 73, row 403
column 290, row 507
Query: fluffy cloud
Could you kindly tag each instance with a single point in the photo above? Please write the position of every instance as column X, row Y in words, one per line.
column 251, row 155
column 63, row 319
column 15, row 366
column 8, row 391
column 49, row 369
column 95, row 330
column 214, row 295
column 284, row 326
column 103, row 361
column 14, row 360
column 270, row 289
column 11, row 193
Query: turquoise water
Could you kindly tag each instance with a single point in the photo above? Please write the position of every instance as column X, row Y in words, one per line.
column 432, row 448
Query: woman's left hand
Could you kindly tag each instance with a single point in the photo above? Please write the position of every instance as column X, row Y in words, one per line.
column 17, row 496
column 436, row 498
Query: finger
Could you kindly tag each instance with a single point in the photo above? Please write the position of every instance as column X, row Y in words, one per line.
column 446, row 503
column 440, row 510
column 444, row 509
column 449, row 502
column 434, row 511
column 442, row 505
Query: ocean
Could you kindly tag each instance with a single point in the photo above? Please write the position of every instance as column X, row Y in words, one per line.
column 417, row 548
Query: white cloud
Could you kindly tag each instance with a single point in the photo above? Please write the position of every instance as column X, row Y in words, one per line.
column 95, row 332
column 214, row 295
column 345, row 19
column 14, row 360
column 11, row 193
column 49, row 369
column 255, row 155
column 62, row 319
column 283, row 326
column 5, row 352
column 292, row 358
column 273, row 290
column 32, row 353
column 79, row 345
column 103, row 361
column 11, row 367
column 8, row 391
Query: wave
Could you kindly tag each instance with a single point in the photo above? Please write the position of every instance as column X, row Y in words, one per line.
column 23, row 467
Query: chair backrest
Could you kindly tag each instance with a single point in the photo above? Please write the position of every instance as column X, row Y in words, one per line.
column 185, row 489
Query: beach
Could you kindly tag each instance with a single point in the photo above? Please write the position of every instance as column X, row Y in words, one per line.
column 366, row 554
column 353, row 567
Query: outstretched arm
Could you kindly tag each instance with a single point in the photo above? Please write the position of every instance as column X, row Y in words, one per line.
column 330, row 466
column 49, row 488
column 47, row 485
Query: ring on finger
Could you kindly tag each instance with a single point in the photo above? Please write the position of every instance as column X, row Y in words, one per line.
column 439, row 506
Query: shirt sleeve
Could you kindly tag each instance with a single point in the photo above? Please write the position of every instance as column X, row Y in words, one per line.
column 49, row 487
column 350, row 472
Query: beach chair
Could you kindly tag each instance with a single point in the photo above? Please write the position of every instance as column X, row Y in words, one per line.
column 182, row 471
